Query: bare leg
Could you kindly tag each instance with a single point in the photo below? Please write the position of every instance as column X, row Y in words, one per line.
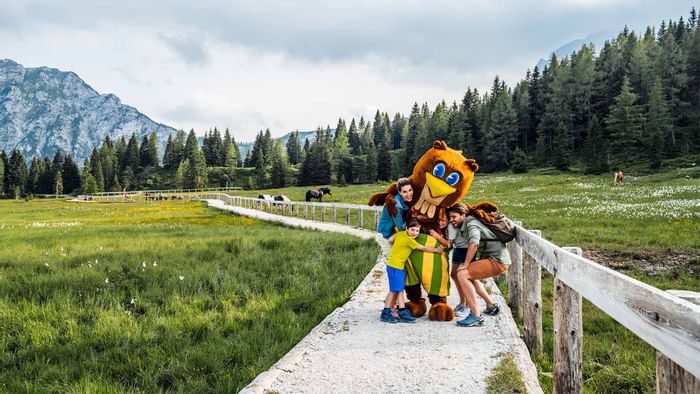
column 470, row 292
column 460, row 288
column 481, row 290
column 401, row 301
column 390, row 300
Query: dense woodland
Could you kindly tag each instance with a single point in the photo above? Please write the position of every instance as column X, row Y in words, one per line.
column 636, row 100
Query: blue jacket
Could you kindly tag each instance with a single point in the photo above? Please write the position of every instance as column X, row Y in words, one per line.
column 389, row 224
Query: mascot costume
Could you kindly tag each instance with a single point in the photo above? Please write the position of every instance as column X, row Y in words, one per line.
column 441, row 178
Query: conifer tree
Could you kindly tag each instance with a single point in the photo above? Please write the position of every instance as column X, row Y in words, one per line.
column 383, row 162
column 293, row 148
column 196, row 171
column 625, row 122
column 153, row 151
column 88, row 185
column 71, row 175
column 191, row 147
column 46, row 177
column 34, row 176
column 144, row 154
column 131, row 157
column 278, row 172
column 169, row 157
column 371, row 164
column 16, row 174
column 398, row 129
column 595, row 149
column 354, row 139
column 658, row 124
column 414, row 124
column 3, row 165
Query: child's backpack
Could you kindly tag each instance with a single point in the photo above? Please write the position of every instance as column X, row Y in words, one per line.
column 502, row 227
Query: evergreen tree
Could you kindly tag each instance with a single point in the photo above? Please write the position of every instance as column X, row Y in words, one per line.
column 33, row 179
column 371, row 164
column 380, row 132
column 71, row 175
column 294, row 148
column 58, row 183
column 278, row 172
column 57, row 172
column 131, row 157
column 354, row 139
column 672, row 70
column 226, row 145
column 196, row 172
column 562, row 147
column 88, row 183
column 46, row 177
column 625, row 122
column 169, row 157
column 439, row 126
column 414, row 125
column 96, row 168
column 180, row 181
column 153, row 153
column 179, row 143
column 16, row 174
column 126, row 178
column 3, row 173
column 191, row 147
column 398, row 129
column 658, row 124
column 519, row 165
column 595, row 149
column 383, row 162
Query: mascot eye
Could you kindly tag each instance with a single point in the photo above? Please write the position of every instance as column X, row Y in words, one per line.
column 452, row 179
column 439, row 170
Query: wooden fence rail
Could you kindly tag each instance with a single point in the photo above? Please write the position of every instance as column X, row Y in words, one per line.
column 668, row 323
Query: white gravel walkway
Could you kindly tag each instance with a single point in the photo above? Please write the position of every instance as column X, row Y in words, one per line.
column 351, row 351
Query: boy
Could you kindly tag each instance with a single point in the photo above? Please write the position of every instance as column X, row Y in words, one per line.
column 404, row 243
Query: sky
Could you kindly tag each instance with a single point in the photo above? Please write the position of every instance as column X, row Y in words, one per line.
column 296, row 65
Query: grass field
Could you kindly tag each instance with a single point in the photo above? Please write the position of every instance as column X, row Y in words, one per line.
column 159, row 296
column 172, row 296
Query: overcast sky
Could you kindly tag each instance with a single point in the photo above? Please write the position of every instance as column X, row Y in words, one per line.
column 287, row 65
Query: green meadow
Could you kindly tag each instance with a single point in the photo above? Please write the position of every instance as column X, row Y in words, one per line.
column 159, row 296
column 174, row 296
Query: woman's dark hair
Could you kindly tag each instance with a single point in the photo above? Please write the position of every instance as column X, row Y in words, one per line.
column 401, row 182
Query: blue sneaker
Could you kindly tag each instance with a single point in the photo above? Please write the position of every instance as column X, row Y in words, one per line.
column 493, row 311
column 405, row 316
column 471, row 321
column 387, row 316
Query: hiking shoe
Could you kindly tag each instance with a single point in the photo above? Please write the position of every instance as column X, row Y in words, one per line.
column 493, row 311
column 462, row 311
column 405, row 316
column 471, row 321
column 387, row 317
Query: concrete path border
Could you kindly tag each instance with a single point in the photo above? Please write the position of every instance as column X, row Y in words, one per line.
column 352, row 351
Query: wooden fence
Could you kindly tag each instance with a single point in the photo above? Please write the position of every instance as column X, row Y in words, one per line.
column 663, row 319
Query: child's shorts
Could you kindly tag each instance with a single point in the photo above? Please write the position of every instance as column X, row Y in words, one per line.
column 458, row 255
column 397, row 279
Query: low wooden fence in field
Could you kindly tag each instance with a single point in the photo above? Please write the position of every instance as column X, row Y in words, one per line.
column 664, row 319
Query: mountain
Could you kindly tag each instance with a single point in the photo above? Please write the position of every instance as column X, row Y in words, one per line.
column 44, row 109
column 597, row 39
column 245, row 147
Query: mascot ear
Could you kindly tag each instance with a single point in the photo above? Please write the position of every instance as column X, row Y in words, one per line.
column 440, row 145
column 471, row 163
column 381, row 197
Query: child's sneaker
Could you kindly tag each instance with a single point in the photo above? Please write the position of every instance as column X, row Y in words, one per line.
column 493, row 311
column 461, row 310
column 387, row 317
column 405, row 316
column 471, row 321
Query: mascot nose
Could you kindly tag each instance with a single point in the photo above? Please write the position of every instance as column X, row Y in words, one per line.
column 437, row 186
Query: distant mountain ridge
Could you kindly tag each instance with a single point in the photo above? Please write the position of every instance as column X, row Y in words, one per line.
column 597, row 39
column 44, row 109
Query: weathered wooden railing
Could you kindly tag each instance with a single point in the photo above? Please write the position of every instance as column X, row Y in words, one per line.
column 666, row 321
column 348, row 214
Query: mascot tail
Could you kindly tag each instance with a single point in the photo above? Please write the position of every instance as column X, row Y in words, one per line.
column 484, row 210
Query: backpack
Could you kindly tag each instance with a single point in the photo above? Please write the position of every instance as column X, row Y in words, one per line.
column 502, row 227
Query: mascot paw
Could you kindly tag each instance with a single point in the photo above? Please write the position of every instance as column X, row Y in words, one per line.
column 417, row 308
column 441, row 312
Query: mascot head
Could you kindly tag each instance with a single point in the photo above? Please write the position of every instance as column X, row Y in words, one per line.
column 441, row 178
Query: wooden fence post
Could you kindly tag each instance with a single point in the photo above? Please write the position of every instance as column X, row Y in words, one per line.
column 376, row 219
column 360, row 218
column 670, row 377
column 333, row 214
column 305, row 211
column 568, row 337
column 347, row 216
column 532, row 296
column 515, row 277
column 323, row 214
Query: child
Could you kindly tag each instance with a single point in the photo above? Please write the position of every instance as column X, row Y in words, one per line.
column 403, row 244
column 390, row 224
column 446, row 235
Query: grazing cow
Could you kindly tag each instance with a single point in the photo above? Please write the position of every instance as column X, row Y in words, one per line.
column 266, row 197
column 282, row 198
column 318, row 194
column 618, row 177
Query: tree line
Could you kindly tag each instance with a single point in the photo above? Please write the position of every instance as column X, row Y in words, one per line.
column 637, row 100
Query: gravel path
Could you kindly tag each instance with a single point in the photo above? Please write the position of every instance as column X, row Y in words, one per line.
column 352, row 351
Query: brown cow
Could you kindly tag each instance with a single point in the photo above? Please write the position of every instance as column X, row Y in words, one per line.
column 618, row 177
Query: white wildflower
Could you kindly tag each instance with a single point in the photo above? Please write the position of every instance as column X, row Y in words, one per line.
column 106, row 280
column 182, row 277
column 143, row 264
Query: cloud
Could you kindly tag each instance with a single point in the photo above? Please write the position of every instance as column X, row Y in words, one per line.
column 192, row 50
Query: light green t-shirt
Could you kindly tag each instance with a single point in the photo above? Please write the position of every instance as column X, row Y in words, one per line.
column 401, row 249
column 473, row 231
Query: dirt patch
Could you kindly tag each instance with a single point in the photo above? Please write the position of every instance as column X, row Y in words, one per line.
column 648, row 262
